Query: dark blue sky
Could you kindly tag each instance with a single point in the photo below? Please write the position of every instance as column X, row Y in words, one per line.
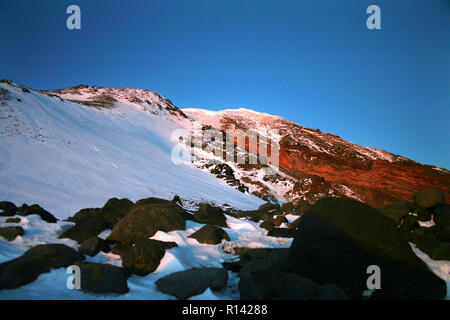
column 313, row 62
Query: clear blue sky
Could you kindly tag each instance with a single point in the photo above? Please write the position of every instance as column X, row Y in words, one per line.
column 313, row 62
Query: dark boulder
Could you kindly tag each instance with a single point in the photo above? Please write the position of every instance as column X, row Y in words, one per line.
column 278, row 220
column 83, row 214
column 338, row 239
column 9, row 209
column 114, row 210
column 94, row 245
column 282, row 232
column 85, row 229
column 277, row 285
column 210, row 234
column 429, row 198
column 143, row 257
column 441, row 215
column 267, row 225
column 210, row 215
column 12, row 220
column 423, row 214
column 409, row 223
column 103, row 278
column 144, row 220
column 11, row 233
column 397, row 210
column 192, row 282
column 262, row 279
column 26, row 210
column 37, row 260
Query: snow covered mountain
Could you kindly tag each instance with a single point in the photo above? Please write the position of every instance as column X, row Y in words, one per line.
column 75, row 148
column 72, row 148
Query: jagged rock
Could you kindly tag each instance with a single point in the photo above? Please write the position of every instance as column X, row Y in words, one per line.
column 7, row 209
column 143, row 257
column 188, row 283
column 282, row 232
column 144, row 220
column 12, row 220
column 266, row 225
column 11, row 233
column 26, row 210
column 429, row 198
column 83, row 214
column 210, row 234
column 37, row 260
column 269, row 207
column 94, row 245
column 210, row 215
column 114, row 210
column 85, row 229
column 339, row 238
column 278, row 220
column 103, row 278
column 397, row 210
column 295, row 223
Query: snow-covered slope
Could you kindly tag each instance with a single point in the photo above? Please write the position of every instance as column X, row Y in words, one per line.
column 67, row 155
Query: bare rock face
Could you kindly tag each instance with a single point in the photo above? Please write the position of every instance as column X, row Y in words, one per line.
column 318, row 165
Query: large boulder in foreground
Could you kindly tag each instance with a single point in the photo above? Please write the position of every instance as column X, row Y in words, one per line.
column 114, row 210
column 261, row 279
column 102, row 278
column 143, row 257
column 85, row 229
column 37, row 260
column 338, row 239
column 210, row 235
column 397, row 210
column 7, row 209
column 192, row 282
column 144, row 220
column 429, row 198
column 26, row 210
column 11, row 233
column 210, row 215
